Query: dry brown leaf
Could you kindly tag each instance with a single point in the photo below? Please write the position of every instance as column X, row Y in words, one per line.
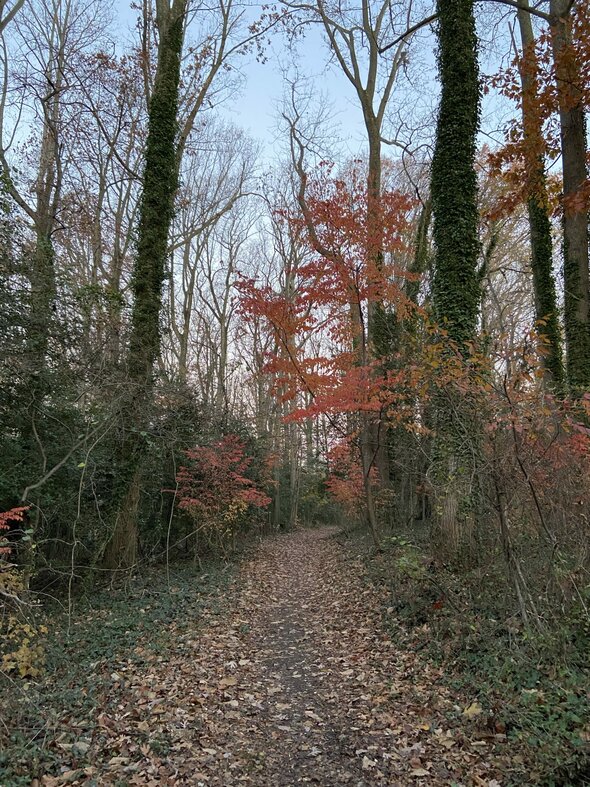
column 473, row 710
column 368, row 763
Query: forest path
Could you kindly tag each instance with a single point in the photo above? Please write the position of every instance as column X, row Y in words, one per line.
column 290, row 680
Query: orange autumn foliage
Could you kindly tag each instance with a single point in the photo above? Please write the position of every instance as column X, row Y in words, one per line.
column 331, row 296
column 510, row 161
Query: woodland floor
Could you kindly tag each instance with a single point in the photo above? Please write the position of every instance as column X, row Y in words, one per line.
column 288, row 678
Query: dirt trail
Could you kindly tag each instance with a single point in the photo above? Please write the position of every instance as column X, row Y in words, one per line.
column 292, row 681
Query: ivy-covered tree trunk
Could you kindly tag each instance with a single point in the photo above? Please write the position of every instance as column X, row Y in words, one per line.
column 456, row 285
column 575, row 212
column 538, row 204
column 160, row 180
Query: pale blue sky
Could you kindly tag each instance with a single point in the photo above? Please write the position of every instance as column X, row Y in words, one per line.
column 256, row 107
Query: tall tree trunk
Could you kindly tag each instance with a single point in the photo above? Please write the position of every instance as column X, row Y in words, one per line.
column 538, row 204
column 373, row 84
column 379, row 337
column 115, row 300
column 221, row 403
column 456, row 287
column 42, row 270
column 406, row 461
column 41, row 305
column 575, row 212
column 292, row 436
column 160, row 180
column 43, row 291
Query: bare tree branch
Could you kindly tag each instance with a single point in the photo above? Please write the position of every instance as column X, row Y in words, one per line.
column 5, row 20
column 408, row 32
column 512, row 3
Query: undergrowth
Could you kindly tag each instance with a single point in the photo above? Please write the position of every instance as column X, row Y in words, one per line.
column 533, row 687
column 88, row 652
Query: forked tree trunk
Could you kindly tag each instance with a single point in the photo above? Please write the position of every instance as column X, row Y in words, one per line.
column 41, row 318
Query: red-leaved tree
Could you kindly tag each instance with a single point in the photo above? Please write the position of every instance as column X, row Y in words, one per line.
column 323, row 327
column 215, row 491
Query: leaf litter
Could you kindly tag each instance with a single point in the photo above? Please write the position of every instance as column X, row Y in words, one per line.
column 291, row 680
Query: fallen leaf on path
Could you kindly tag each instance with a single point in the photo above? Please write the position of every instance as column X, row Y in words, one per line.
column 473, row 710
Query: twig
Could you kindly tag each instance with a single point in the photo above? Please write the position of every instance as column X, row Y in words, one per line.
column 60, row 464
column 14, row 598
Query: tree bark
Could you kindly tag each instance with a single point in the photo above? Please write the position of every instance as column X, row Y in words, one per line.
column 160, row 180
column 456, row 285
column 5, row 19
column 346, row 43
column 456, row 289
column 538, row 205
column 575, row 213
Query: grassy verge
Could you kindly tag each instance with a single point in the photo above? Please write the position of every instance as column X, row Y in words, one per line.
column 534, row 688
column 111, row 632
